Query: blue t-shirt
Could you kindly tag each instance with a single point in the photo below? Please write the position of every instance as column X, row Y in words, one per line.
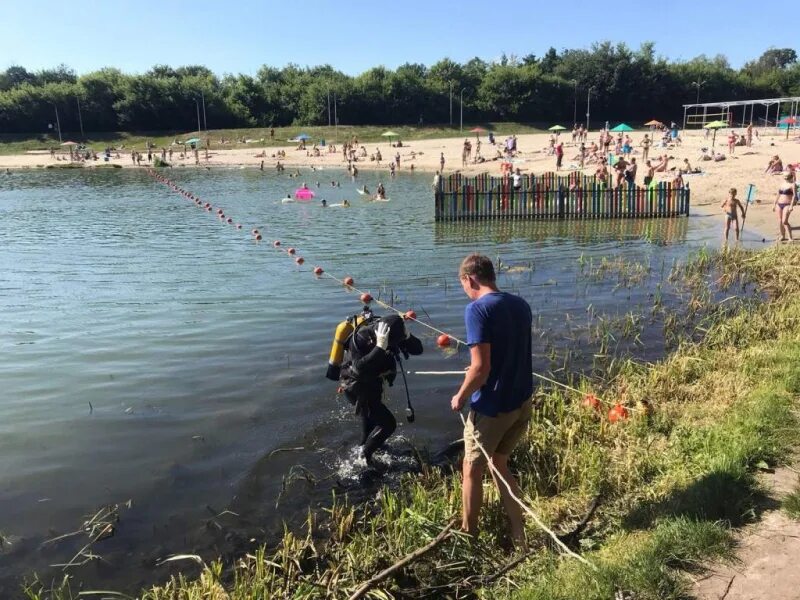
column 504, row 321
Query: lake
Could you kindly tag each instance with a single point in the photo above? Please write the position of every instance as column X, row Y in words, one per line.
column 154, row 357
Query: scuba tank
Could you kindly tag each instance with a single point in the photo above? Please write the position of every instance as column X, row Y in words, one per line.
column 343, row 331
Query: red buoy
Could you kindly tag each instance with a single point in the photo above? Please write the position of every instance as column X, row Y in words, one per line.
column 366, row 298
column 617, row 413
column 299, row 260
column 255, row 232
column 318, row 271
column 591, row 401
column 238, row 226
column 277, row 243
column 290, row 251
column 230, row 220
column 443, row 341
column 348, row 281
column 258, row 237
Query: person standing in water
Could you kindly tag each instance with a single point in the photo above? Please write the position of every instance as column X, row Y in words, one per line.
column 731, row 205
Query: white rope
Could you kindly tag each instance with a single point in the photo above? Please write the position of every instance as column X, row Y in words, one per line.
column 524, row 506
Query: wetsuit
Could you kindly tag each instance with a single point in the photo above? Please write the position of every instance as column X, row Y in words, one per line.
column 363, row 379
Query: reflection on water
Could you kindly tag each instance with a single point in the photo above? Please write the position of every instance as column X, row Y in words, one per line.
column 151, row 354
column 656, row 231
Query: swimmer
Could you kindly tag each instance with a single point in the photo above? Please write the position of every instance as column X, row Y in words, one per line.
column 324, row 203
column 346, row 204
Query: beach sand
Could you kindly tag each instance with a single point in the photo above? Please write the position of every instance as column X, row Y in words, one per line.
column 709, row 189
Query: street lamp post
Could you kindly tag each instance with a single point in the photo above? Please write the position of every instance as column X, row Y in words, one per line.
column 451, row 104
column 588, row 105
column 329, row 106
column 575, row 108
column 205, row 122
column 58, row 124
column 461, row 104
column 197, row 105
column 698, row 85
column 80, row 118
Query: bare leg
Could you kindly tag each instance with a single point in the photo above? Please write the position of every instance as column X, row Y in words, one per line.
column 737, row 229
column 781, row 226
column 513, row 510
column 786, row 214
column 471, row 496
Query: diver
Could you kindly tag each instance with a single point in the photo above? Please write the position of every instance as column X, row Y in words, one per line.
column 367, row 350
column 324, row 203
column 380, row 192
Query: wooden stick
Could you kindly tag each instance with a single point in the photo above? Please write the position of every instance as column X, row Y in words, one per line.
column 409, row 558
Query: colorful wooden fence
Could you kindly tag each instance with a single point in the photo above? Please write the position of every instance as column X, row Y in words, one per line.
column 551, row 196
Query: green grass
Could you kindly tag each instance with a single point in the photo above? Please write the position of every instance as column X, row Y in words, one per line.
column 791, row 504
column 366, row 134
column 672, row 484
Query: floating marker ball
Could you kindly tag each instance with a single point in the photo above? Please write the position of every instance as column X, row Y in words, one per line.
column 255, row 232
column 277, row 243
column 318, row 271
column 230, row 220
column 258, row 237
column 348, row 281
column 617, row 413
column 299, row 260
column 290, row 251
column 443, row 341
column 238, row 226
column 366, row 298
column 591, row 401
column 410, row 314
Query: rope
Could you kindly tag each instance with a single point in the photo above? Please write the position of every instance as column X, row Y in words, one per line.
column 524, row 506
column 387, row 306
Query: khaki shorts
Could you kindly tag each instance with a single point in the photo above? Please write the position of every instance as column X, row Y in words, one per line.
column 497, row 435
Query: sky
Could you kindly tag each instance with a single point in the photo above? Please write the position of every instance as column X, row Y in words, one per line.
column 238, row 36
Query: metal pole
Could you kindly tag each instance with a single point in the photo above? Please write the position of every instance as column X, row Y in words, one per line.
column 197, row 104
column 58, row 124
column 588, row 104
column 205, row 123
column 461, row 103
column 451, row 104
column 575, row 108
column 80, row 118
column 329, row 107
column 335, row 116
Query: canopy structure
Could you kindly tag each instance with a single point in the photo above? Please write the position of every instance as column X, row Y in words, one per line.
column 557, row 128
column 389, row 134
column 622, row 127
column 740, row 113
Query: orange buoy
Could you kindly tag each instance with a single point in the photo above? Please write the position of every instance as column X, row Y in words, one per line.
column 318, row 271
column 366, row 298
column 617, row 413
column 290, row 251
column 255, row 232
column 443, row 341
column 238, row 226
column 591, row 401
column 258, row 237
column 410, row 314
column 229, row 220
column 299, row 260
column 348, row 281
column 277, row 243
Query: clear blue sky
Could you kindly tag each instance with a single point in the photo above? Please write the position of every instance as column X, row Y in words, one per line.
column 238, row 36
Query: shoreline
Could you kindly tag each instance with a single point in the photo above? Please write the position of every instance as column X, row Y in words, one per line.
column 709, row 189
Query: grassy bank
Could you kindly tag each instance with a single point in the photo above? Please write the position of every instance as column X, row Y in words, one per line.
column 668, row 483
column 258, row 137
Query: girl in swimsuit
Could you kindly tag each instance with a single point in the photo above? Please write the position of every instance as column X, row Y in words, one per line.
column 784, row 202
column 732, row 206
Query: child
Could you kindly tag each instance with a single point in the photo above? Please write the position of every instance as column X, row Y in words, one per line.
column 731, row 205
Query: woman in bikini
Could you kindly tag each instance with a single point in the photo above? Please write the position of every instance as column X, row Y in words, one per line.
column 784, row 202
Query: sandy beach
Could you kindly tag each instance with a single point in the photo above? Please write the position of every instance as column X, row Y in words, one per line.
column 709, row 189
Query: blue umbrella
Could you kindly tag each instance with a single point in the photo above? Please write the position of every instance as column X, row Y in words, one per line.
column 192, row 141
column 303, row 136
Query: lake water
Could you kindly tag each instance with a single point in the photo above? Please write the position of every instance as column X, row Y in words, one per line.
column 150, row 353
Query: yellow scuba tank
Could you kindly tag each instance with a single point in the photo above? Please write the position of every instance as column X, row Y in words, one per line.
column 343, row 331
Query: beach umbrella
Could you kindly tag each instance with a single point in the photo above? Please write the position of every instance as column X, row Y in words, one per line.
column 477, row 130
column 192, row 141
column 715, row 125
column 557, row 128
column 784, row 121
column 69, row 143
column 622, row 127
column 302, row 137
column 389, row 134
column 653, row 123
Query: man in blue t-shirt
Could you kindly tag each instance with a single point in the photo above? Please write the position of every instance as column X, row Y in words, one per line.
column 499, row 385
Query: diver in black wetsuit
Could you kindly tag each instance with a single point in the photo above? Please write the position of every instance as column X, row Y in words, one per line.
column 371, row 352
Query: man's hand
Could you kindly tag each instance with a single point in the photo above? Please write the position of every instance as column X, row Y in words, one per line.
column 457, row 402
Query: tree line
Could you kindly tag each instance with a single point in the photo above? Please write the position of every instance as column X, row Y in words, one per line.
column 624, row 84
